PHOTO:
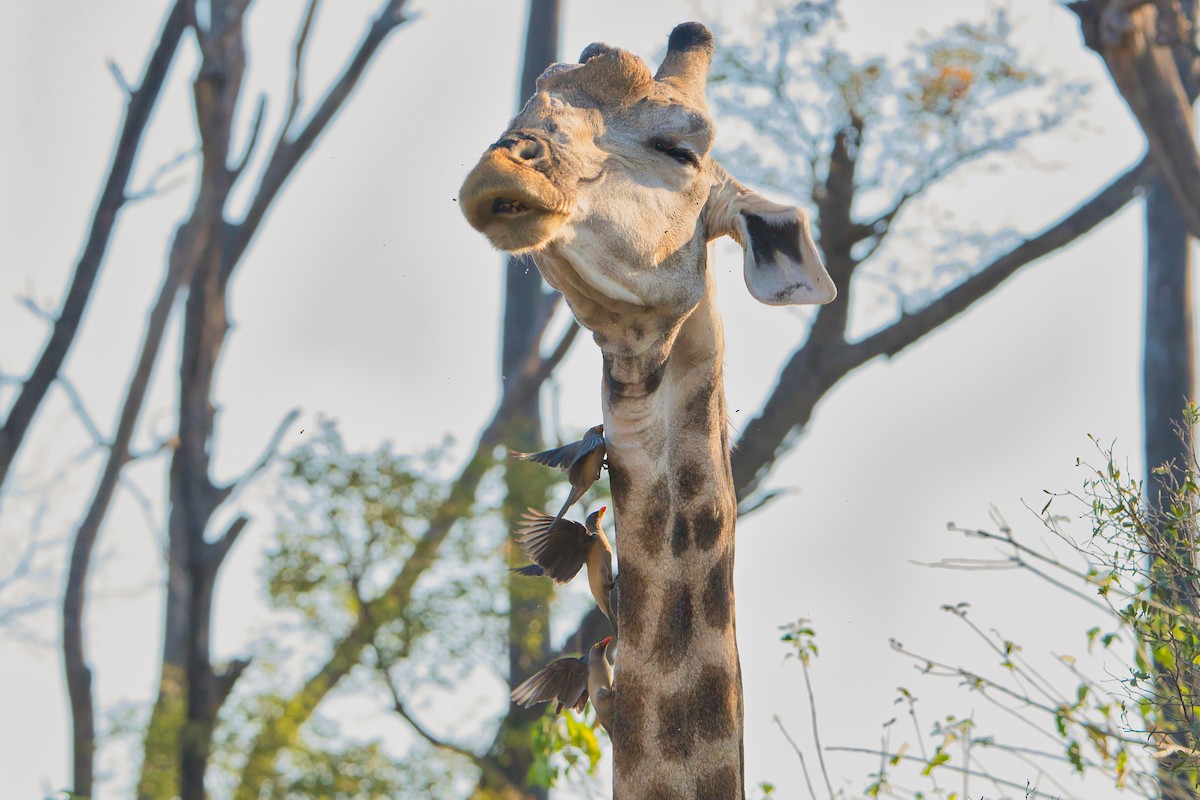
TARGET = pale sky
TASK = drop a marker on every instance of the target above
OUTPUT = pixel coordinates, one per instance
(368, 299)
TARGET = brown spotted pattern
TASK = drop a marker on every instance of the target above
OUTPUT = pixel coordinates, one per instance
(680, 536)
(677, 708)
(633, 601)
(718, 784)
(707, 527)
(718, 589)
(676, 626)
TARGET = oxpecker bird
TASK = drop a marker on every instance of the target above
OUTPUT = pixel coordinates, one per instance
(581, 461)
(558, 548)
(570, 681)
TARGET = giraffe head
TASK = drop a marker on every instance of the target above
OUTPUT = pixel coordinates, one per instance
(605, 176)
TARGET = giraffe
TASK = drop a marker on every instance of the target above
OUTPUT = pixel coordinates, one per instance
(605, 178)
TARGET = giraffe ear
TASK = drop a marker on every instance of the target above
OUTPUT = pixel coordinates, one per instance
(782, 266)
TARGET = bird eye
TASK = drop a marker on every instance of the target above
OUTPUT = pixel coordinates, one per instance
(679, 153)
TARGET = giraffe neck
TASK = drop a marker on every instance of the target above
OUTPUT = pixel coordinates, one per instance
(677, 718)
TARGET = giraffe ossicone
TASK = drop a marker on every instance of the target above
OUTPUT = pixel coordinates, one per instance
(606, 178)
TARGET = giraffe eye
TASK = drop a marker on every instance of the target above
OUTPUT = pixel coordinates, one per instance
(678, 152)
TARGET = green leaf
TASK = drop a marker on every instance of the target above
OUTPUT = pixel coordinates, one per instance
(938, 759)
(1075, 755)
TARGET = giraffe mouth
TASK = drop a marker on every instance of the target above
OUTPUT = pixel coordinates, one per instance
(517, 208)
(506, 205)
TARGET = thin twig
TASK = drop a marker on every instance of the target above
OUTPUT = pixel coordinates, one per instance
(812, 705)
(138, 111)
(236, 486)
(799, 754)
(298, 50)
(1034, 793)
(484, 763)
(81, 411)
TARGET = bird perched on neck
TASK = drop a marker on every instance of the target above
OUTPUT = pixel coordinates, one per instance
(570, 682)
(581, 461)
(559, 548)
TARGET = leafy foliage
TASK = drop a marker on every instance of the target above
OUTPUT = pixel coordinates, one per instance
(350, 527)
(865, 138)
(563, 744)
(1121, 722)
(351, 524)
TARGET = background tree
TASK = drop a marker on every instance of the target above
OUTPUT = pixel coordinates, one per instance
(205, 252)
(281, 733)
(1114, 704)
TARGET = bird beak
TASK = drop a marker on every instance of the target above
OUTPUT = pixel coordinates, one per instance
(605, 642)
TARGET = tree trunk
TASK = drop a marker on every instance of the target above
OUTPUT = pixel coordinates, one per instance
(178, 739)
(1168, 383)
(1169, 358)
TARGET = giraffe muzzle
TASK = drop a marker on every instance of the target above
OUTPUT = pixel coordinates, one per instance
(510, 202)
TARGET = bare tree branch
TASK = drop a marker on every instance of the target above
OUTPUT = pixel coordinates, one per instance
(140, 106)
(1134, 41)
(288, 151)
(229, 492)
(190, 239)
(799, 754)
(310, 12)
(1030, 792)
(485, 764)
(80, 408)
(220, 548)
(260, 111)
(820, 363)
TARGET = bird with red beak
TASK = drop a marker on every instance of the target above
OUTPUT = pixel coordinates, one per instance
(570, 682)
(559, 548)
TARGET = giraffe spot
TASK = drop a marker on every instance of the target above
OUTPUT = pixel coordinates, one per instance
(616, 388)
(654, 379)
(696, 411)
(676, 625)
(707, 527)
(718, 592)
(679, 536)
(629, 715)
(632, 602)
(711, 703)
(721, 784)
(676, 733)
(600, 338)
(689, 481)
(618, 481)
(655, 510)
(653, 517)
(638, 330)
(663, 791)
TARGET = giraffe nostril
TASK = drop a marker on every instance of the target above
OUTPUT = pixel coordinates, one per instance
(530, 150)
(524, 146)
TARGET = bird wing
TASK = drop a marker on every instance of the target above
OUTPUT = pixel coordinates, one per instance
(529, 571)
(557, 458)
(564, 680)
(558, 548)
(564, 457)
